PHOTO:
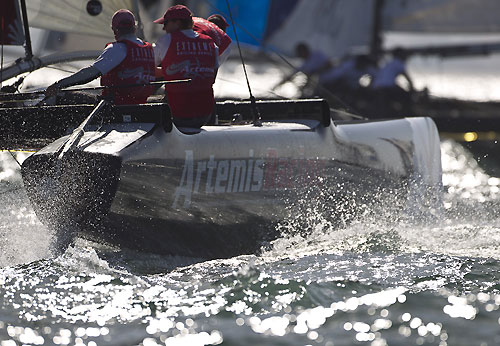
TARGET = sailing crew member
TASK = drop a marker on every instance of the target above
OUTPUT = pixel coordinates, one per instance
(387, 75)
(182, 54)
(350, 80)
(314, 62)
(391, 98)
(215, 27)
(128, 60)
(348, 73)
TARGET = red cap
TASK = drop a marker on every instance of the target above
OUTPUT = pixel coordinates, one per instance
(175, 12)
(123, 19)
(219, 18)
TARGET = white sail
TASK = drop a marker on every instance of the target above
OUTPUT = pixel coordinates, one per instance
(77, 16)
(333, 26)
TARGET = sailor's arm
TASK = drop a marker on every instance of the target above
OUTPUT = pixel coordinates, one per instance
(285, 79)
(217, 61)
(309, 67)
(111, 57)
(410, 82)
(83, 76)
(160, 49)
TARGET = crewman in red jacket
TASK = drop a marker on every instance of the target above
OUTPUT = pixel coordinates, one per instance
(186, 54)
(126, 61)
(215, 27)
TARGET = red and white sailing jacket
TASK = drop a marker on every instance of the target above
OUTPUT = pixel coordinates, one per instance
(138, 67)
(194, 58)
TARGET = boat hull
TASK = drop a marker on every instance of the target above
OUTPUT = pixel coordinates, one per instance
(224, 191)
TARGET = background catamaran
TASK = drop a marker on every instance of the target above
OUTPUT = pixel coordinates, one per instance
(427, 30)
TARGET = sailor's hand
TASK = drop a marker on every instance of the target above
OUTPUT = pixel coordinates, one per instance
(52, 90)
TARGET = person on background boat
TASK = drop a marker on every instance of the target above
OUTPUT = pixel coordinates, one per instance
(315, 62)
(186, 54)
(346, 77)
(128, 60)
(348, 81)
(215, 27)
(391, 98)
(387, 76)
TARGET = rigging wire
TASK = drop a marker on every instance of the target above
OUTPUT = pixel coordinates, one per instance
(1, 63)
(262, 90)
(59, 69)
(256, 115)
(256, 39)
(328, 94)
(15, 158)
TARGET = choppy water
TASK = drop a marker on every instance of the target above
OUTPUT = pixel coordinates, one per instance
(378, 281)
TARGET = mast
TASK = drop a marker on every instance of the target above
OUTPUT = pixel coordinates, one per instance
(376, 42)
(29, 50)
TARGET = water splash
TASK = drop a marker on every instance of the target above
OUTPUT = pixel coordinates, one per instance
(23, 237)
(466, 182)
(466, 224)
(9, 166)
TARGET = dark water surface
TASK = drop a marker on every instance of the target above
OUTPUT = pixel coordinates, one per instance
(382, 280)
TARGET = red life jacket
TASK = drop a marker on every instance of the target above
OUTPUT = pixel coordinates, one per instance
(205, 27)
(137, 67)
(193, 58)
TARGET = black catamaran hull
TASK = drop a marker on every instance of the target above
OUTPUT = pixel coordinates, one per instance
(222, 191)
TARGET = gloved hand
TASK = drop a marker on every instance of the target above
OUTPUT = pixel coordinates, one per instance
(52, 90)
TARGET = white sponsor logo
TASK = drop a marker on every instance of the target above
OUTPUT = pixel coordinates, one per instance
(138, 73)
(246, 175)
(218, 176)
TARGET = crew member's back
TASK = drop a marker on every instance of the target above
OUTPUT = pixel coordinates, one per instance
(127, 61)
(184, 54)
